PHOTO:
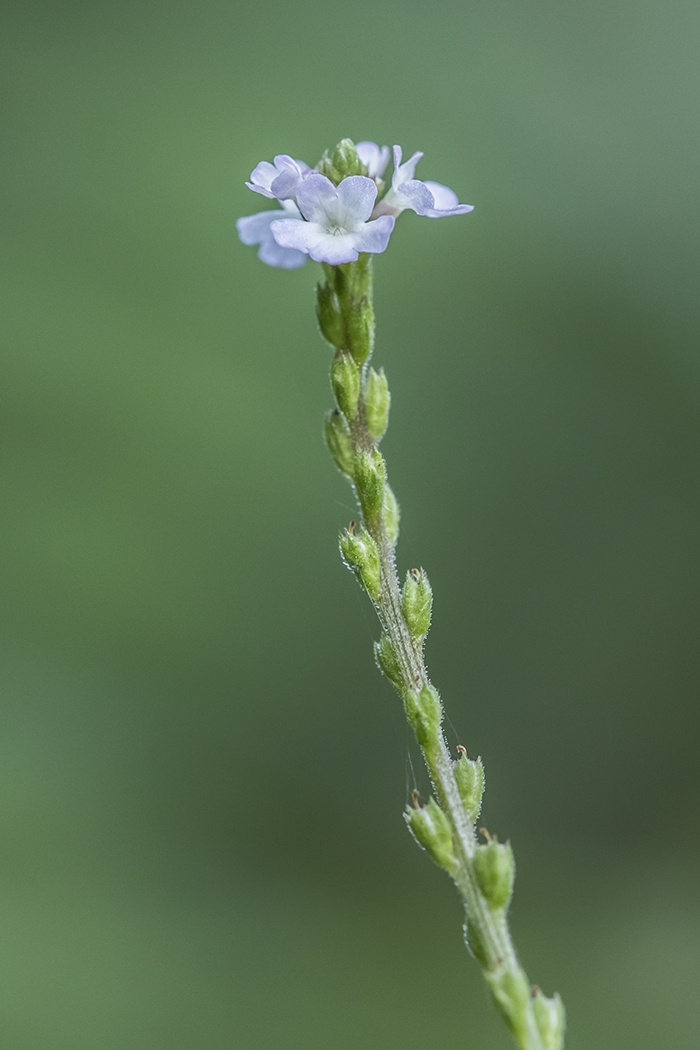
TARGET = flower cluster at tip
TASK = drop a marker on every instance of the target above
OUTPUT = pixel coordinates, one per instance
(330, 213)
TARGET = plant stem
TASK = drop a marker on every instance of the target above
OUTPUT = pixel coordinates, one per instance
(344, 301)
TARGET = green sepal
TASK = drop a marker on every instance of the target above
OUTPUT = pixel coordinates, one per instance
(387, 661)
(343, 161)
(339, 442)
(550, 1019)
(431, 830)
(417, 603)
(328, 314)
(470, 779)
(370, 480)
(360, 554)
(511, 994)
(475, 943)
(495, 872)
(345, 378)
(377, 401)
(360, 322)
(391, 515)
(424, 713)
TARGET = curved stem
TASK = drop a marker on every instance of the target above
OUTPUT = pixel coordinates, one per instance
(348, 293)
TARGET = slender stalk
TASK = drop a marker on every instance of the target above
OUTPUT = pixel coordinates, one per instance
(483, 873)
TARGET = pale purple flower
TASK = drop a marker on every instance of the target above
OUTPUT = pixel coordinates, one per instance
(279, 180)
(374, 157)
(255, 229)
(424, 198)
(337, 227)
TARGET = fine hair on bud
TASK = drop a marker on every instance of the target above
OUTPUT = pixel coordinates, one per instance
(470, 779)
(387, 661)
(391, 514)
(511, 994)
(495, 872)
(424, 713)
(377, 402)
(345, 378)
(417, 603)
(550, 1019)
(339, 441)
(431, 830)
(370, 479)
(360, 554)
(330, 320)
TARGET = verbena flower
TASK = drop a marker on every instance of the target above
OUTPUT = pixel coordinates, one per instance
(255, 229)
(332, 220)
(425, 198)
(374, 157)
(279, 180)
(336, 229)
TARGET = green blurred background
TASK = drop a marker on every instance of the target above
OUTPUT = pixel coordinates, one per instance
(202, 774)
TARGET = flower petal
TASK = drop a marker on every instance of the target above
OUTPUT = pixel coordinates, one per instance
(374, 236)
(261, 178)
(356, 197)
(256, 229)
(312, 237)
(315, 196)
(403, 172)
(373, 157)
(446, 201)
(252, 228)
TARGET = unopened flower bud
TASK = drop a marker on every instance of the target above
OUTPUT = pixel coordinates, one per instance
(417, 602)
(345, 377)
(343, 161)
(377, 400)
(470, 781)
(387, 660)
(475, 943)
(495, 872)
(391, 515)
(511, 994)
(370, 479)
(360, 322)
(431, 830)
(338, 441)
(424, 713)
(550, 1020)
(328, 313)
(360, 554)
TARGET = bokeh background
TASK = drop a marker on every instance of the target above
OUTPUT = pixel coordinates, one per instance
(202, 774)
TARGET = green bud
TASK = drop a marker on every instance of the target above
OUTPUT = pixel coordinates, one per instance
(417, 602)
(370, 481)
(431, 830)
(360, 554)
(345, 377)
(338, 441)
(387, 661)
(495, 871)
(475, 943)
(511, 995)
(470, 781)
(360, 322)
(391, 515)
(342, 162)
(328, 313)
(424, 713)
(377, 400)
(550, 1019)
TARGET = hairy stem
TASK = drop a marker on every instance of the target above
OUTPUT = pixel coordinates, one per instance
(446, 828)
